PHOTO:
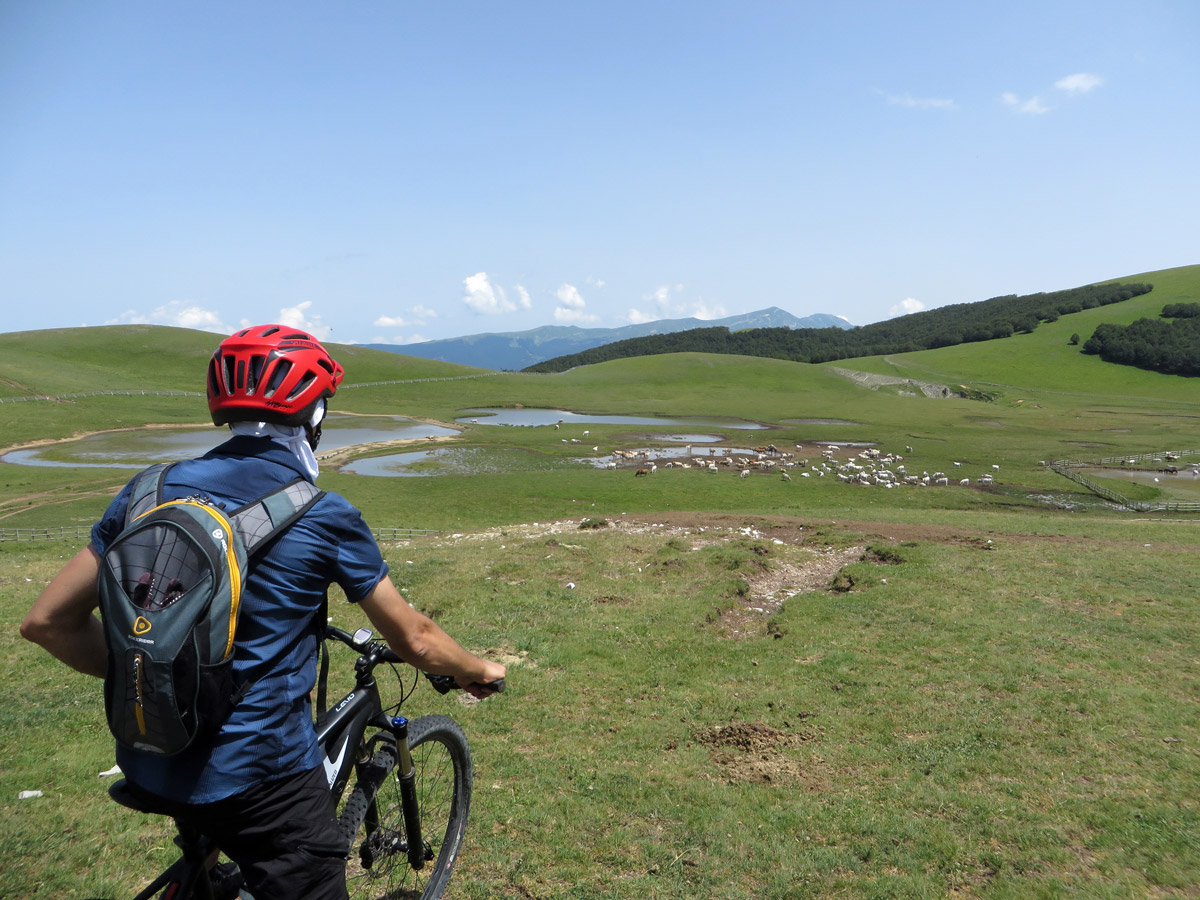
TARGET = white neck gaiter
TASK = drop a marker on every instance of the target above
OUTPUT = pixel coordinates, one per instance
(290, 436)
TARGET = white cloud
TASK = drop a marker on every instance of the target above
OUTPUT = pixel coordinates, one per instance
(1033, 106)
(296, 317)
(1079, 83)
(176, 313)
(129, 317)
(668, 304)
(1071, 85)
(905, 307)
(571, 306)
(565, 316)
(399, 339)
(568, 295)
(919, 102)
(484, 297)
(420, 315)
(704, 311)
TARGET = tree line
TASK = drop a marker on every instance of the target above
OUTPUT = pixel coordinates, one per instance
(946, 326)
(1170, 343)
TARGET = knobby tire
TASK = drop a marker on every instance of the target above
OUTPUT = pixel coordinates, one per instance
(372, 818)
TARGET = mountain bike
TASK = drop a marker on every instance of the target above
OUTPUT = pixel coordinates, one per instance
(403, 821)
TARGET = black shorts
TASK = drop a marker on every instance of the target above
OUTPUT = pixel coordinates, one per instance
(282, 834)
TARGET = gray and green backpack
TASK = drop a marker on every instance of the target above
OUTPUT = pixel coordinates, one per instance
(170, 591)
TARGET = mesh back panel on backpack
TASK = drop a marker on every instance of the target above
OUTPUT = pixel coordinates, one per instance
(170, 592)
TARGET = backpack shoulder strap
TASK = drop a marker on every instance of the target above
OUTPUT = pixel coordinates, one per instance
(147, 492)
(262, 519)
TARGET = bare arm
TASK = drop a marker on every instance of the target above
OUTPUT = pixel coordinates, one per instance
(62, 619)
(423, 643)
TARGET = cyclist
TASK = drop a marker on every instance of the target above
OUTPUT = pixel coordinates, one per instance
(258, 787)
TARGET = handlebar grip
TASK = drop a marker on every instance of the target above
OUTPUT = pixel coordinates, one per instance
(443, 684)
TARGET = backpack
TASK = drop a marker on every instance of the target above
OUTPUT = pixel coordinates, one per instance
(170, 589)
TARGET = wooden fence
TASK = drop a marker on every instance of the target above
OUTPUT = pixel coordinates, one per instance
(1068, 467)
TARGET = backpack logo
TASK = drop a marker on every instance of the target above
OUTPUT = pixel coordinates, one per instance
(141, 625)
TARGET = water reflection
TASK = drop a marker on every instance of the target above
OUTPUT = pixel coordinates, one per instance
(456, 461)
(136, 449)
(500, 461)
(535, 417)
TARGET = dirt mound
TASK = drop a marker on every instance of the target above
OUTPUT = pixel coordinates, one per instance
(755, 753)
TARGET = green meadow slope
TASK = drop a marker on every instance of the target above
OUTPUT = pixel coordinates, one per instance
(1048, 401)
(718, 687)
(1044, 362)
(154, 357)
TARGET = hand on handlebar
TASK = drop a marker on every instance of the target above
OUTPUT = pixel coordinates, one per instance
(491, 682)
(483, 691)
(444, 684)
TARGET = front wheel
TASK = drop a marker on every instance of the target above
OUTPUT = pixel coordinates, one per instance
(372, 819)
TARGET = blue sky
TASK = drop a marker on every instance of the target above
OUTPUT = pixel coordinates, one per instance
(404, 171)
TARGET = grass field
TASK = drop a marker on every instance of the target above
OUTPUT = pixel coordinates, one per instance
(730, 687)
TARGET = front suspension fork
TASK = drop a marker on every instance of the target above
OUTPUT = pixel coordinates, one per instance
(406, 775)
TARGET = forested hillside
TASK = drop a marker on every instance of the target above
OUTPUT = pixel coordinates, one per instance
(943, 327)
(1170, 346)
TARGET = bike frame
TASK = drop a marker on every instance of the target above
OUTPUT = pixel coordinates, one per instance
(340, 732)
(345, 726)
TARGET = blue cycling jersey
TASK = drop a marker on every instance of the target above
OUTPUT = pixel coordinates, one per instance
(270, 733)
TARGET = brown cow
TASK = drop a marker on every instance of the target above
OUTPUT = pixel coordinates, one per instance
(641, 472)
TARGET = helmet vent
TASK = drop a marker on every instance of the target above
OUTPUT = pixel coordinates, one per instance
(298, 336)
(270, 331)
(213, 388)
(255, 373)
(227, 363)
(278, 374)
(303, 386)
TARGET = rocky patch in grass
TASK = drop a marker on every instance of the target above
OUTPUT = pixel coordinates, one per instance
(770, 588)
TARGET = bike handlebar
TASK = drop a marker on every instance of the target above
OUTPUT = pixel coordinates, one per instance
(367, 647)
(443, 684)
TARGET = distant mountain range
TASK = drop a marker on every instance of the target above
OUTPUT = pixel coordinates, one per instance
(517, 349)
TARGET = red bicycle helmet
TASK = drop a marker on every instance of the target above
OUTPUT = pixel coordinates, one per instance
(270, 373)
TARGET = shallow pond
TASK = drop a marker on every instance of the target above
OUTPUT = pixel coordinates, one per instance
(1185, 485)
(526, 417)
(137, 448)
(499, 461)
(455, 461)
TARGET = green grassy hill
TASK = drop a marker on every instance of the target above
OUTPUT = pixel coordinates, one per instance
(1049, 402)
(154, 357)
(1046, 363)
(729, 687)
